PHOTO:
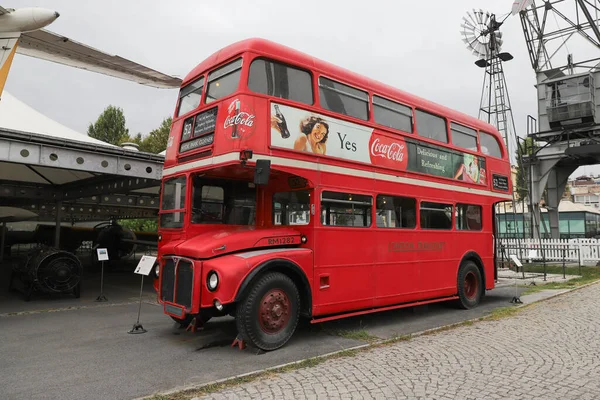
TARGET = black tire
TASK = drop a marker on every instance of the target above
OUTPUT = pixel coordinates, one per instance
(276, 295)
(470, 285)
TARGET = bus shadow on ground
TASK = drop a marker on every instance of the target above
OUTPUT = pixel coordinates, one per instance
(352, 331)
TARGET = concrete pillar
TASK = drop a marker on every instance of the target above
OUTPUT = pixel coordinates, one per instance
(57, 225)
(557, 181)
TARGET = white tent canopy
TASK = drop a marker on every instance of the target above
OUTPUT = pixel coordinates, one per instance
(18, 116)
(50, 169)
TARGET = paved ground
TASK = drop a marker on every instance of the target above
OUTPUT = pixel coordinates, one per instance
(83, 350)
(548, 351)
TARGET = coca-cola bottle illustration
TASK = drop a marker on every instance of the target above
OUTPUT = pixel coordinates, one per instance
(234, 128)
(285, 133)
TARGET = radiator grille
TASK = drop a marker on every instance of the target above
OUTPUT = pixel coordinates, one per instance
(185, 278)
(168, 280)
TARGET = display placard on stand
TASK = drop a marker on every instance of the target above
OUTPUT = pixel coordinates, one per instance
(102, 254)
(143, 268)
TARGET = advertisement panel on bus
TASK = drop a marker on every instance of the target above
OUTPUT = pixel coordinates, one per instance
(301, 130)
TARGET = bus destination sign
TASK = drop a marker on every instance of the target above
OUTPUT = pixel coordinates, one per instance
(197, 143)
(500, 182)
(205, 122)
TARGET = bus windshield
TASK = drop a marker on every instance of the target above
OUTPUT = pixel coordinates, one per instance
(223, 201)
(173, 198)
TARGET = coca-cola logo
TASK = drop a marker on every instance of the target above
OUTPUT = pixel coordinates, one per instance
(242, 118)
(239, 122)
(388, 152)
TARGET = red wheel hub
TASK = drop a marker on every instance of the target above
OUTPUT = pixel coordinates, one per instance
(471, 285)
(274, 311)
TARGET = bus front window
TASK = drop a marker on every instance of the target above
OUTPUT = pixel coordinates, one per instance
(173, 203)
(223, 201)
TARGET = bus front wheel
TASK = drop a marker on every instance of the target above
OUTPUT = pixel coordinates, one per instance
(470, 285)
(268, 316)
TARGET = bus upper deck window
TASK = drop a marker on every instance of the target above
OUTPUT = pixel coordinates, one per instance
(223, 81)
(489, 145)
(279, 80)
(190, 96)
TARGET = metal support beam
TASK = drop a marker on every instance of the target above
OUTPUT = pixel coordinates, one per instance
(57, 227)
(102, 185)
(94, 211)
(2, 240)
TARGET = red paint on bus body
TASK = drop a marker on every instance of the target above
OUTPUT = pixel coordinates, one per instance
(343, 270)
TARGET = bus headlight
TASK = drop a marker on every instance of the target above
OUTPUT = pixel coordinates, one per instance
(212, 281)
(156, 270)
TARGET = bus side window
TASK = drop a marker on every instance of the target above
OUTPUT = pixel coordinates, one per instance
(396, 212)
(468, 217)
(436, 216)
(463, 137)
(346, 209)
(343, 99)
(489, 145)
(431, 126)
(279, 80)
(391, 114)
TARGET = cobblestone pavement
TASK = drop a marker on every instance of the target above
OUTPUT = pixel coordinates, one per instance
(550, 350)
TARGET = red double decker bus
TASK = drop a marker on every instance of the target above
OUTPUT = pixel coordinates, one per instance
(294, 188)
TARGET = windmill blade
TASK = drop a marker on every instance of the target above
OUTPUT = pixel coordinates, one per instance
(520, 5)
(487, 18)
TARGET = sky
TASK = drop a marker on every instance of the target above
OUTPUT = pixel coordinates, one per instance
(414, 46)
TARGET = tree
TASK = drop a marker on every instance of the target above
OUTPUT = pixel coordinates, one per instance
(156, 140)
(525, 148)
(110, 126)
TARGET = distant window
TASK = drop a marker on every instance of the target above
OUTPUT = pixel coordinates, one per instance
(343, 99)
(291, 208)
(468, 217)
(396, 212)
(279, 80)
(489, 145)
(392, 114)
(346, 209)
(464, 137)
(431, 126)
(190, 96)
(436, 216)
(223, 81)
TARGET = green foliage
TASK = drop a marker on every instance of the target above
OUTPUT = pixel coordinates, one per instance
(140, 225)
(110, 126)
(156, 141)
(526, 147)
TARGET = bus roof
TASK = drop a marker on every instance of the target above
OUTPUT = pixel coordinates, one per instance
(284, 53)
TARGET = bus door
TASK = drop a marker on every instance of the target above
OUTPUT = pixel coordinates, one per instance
(437, 248)
(397, 278)
(344, 252)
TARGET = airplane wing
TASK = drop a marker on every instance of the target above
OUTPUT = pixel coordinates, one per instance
(3, 10)
(50, 46)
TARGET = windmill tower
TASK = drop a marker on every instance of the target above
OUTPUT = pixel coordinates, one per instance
(481, 33)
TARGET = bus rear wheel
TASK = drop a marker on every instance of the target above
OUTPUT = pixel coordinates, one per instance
(470, 285)
(268, 316)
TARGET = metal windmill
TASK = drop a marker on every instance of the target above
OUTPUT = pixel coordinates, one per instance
(481, 33)
(482, 36)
